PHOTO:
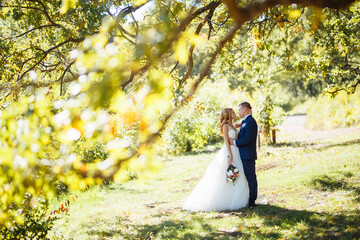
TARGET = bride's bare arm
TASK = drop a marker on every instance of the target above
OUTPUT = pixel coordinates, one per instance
(225, 129)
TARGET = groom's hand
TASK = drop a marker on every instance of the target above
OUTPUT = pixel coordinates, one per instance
(231, 141)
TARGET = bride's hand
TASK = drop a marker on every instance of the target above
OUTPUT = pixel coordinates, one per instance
(237, 125)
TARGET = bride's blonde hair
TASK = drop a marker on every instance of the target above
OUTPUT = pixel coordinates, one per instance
(225, 118)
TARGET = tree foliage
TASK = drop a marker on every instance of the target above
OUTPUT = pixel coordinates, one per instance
(96, 70)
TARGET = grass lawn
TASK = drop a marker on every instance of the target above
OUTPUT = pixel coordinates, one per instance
(310, 178)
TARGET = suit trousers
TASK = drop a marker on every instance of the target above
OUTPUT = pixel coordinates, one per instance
(249, 169)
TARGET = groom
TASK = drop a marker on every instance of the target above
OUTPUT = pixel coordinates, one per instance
(246, 143)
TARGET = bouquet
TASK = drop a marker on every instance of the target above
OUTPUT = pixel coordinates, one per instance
(232, 173)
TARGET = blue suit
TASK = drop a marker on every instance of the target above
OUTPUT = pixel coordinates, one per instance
(246, 143)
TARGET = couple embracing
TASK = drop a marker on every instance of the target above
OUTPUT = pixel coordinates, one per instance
(213, 192)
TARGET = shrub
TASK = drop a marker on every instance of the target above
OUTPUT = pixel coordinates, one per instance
(90, 151)
(29, 220)
(97, 151)
(267, 112)
(196, 125)
(341, 111)
(189, 131)
(61, 188)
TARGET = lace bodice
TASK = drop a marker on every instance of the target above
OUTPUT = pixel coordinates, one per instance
(232, 133)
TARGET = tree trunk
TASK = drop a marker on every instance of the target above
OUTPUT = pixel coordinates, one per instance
(266, 137)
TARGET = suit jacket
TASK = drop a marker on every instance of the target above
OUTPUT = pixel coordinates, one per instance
(246, 141)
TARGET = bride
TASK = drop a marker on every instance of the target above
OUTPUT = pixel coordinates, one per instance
(213, 193)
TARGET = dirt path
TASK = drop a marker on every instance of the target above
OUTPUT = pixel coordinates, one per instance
(294, 129)
(295, 122)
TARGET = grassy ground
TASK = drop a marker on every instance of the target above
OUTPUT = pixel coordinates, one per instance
(310, 178)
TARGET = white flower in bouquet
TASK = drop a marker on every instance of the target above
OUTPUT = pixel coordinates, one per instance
(232, 173)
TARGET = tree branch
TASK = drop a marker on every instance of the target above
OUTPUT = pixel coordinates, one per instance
(241, 15)
(133, 73)
(45, 11)
(47, 52)
(61, 79)
(12, 87)
(173, 69)
(190, 60)
(130, 9)
(194, 14)
(25, 7)
(206, 69)
(182, 27)
(221, 24)
(353, 86)
(124, 31)
(31, 30)
(192, 47)
(208, 19)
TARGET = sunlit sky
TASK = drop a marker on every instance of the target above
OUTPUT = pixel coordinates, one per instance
(138, 14)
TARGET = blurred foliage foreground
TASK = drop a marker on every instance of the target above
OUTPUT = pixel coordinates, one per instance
(86, 89)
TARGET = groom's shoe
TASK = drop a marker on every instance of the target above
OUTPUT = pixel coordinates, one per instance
(252, 205)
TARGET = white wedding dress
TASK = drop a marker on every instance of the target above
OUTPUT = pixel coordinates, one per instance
(213, 193)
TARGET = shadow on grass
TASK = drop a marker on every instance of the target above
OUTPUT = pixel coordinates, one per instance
(340, 181)
(311, 225)
(102, 234)
(276, 222)
(295, 144)
(357, 195)
(314, 146)
(124, 189)
(329, 183)
(342, 144)
(196, 228)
